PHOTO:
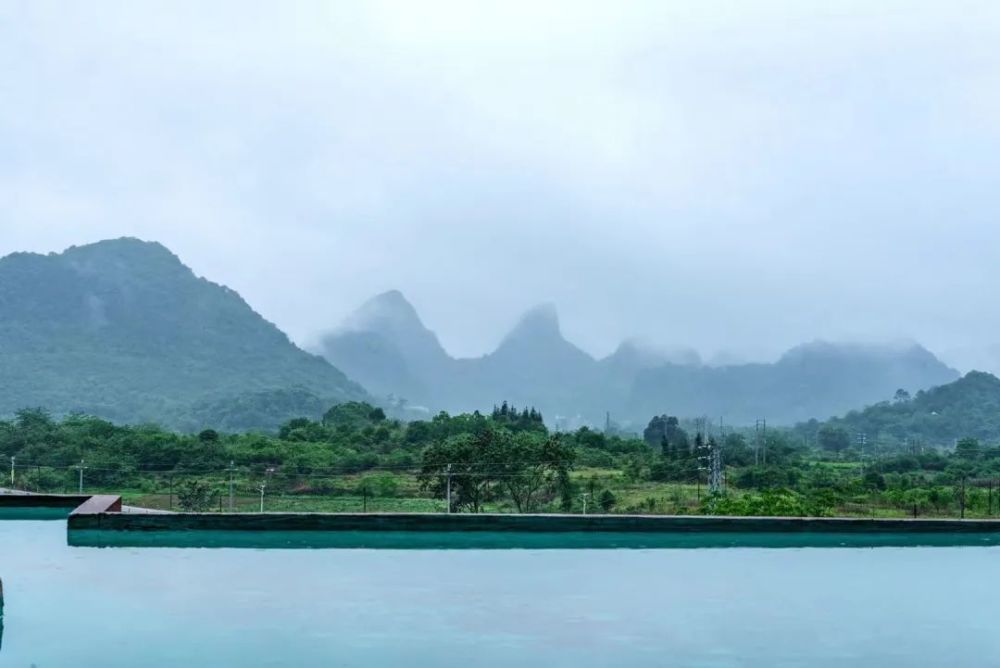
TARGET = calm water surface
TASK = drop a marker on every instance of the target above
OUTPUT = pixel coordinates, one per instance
(169, 607)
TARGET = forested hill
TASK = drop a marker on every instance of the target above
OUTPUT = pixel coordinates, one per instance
(386, 347)
(123, 330)
(968, 407)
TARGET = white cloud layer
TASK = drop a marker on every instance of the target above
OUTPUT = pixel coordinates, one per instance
(730, 175)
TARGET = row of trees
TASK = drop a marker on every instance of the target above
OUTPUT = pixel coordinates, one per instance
(505, 458)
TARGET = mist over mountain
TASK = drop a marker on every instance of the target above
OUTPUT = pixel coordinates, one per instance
(386, 346)
(814, 380)
(123, 330)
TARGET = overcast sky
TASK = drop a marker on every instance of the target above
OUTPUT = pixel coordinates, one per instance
(737, 176)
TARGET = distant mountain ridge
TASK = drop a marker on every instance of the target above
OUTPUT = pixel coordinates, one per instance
(814, 380)
(387, 347)
(124, 330)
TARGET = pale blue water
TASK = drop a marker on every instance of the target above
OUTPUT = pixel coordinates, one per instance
(168, 607)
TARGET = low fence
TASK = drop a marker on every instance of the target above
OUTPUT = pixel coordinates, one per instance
(402, 489)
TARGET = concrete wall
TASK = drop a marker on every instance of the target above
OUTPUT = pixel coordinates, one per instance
(103, 512)
(42, 500)
(513, 523)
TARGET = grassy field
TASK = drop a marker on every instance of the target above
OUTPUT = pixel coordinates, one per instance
(402, 492)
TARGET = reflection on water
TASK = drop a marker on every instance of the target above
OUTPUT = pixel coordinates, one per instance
(34, 513)
(483, 540)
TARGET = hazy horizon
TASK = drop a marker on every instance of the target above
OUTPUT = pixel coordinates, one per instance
(714, 176)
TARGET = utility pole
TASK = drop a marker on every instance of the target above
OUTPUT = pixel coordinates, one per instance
(763, 441)
(963, 497)
(263, 486)
(862, 442)
(81, 467)
(448, 493)
(584, 497)
(756, 443)
(232, 471)
(12, 458)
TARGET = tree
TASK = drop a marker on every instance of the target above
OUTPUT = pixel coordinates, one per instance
(874, 480)
(529, 464)
(461, 461)
(528, 419)
(208, 436)
(37, 419)
(607, 500)
(525, 465)
(566, 491)
(196, 495)
(967, 448)
(901, 396)
(833, 439)
(664, 431)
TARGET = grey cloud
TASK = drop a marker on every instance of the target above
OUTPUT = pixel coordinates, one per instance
(736, 177)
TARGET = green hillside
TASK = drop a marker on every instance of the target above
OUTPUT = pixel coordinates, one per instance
(123, 330)
(966, 408)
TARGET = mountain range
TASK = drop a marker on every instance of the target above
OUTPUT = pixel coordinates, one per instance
(388, 349)
(122, 329)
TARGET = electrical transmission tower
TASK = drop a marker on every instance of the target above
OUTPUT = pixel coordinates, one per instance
(714, 467)
(760, 442)
(710, 460)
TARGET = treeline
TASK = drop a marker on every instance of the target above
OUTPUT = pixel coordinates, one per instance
(507, 454)
(509, 459)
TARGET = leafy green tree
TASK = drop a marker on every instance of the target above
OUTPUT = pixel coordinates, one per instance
(462, 461)
(967, 448)
(383, 484)
(196, 495)
(208, 436)
(607, 500)
(524, 465)
(566, 491)
(833, 439)
(664, 432)
(527, 419)
(530, 465)
(874, 480)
